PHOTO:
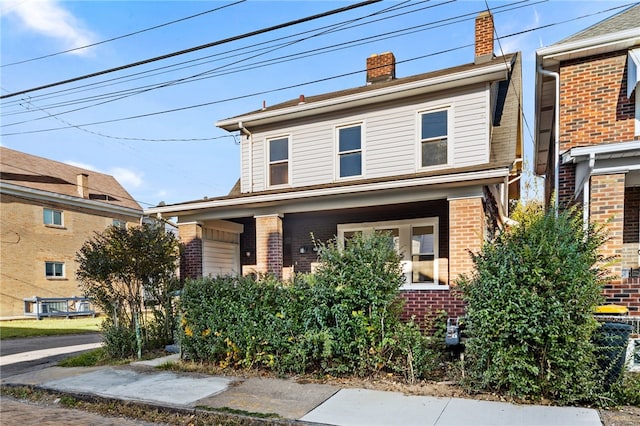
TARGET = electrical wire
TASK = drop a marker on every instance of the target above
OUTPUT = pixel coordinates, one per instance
(155, 27)
(196, 48)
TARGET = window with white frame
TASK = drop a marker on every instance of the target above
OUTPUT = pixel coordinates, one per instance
(633, 82)
(349, 151)
(278, 161)
(54, 269)
(434, 138)
(416, 240)
(52, 217)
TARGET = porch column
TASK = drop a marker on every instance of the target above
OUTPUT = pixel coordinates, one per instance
(191, 237)
(466, 233)
(607, 207)
(269, 244)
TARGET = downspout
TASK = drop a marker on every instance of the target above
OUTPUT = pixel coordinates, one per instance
(250, 136)
(586, 189)
(556, 134)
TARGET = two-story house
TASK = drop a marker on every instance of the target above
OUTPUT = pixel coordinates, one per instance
(47, 211)
(587, 137)
(433, 159)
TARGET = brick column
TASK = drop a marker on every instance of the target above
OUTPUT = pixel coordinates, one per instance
(191, 238)
(466, 233)
(607, 207)
(269, 244)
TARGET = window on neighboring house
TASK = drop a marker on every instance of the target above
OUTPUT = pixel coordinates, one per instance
(350, 151)
(52, 217)
(416, 240)
(119, 223)
(433, 138)
(54, 269)
(279, 161)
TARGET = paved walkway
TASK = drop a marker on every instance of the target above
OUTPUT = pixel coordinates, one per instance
(13, 412)
(309, 403)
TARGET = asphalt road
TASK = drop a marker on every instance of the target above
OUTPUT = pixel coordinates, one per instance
(41, 352)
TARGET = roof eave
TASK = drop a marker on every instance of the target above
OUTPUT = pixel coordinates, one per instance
(37, 194)
(499, 173)
(494, 72)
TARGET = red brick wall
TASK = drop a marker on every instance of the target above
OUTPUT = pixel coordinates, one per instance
(426, 303)
(466, 233)
(607, 207)
(594, 104)
(269, 244)
(191, 238)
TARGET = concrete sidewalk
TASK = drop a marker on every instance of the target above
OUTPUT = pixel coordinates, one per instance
(308, 403)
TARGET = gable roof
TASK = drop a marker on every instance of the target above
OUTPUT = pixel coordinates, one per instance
(36, 173)
(625, 20)
(495, 69)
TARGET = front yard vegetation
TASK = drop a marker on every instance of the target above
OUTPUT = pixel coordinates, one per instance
(342, 320)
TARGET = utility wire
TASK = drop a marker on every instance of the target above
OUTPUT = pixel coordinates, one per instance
(300, 55)
(234, 52)
(155, 27)
(199, 76)
(193, 49)
(301, 84)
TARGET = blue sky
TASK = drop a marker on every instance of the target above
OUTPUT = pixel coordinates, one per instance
(232, 78)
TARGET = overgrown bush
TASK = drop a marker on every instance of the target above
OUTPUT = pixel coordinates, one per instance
(344, 319)
(530, 308)
(129, 272)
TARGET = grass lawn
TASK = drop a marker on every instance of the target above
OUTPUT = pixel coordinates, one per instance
(48, 327)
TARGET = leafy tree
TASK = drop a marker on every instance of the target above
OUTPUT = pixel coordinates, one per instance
(530, 307)
(126, 272)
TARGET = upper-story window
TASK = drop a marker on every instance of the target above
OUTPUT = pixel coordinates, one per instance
(54, 269)
(278, 161)
(52, 217)
(433, 138)
(350, 151)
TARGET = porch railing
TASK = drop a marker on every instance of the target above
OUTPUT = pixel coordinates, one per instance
(41, 307)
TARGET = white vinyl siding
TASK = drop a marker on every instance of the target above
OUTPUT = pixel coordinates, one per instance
(390, 139)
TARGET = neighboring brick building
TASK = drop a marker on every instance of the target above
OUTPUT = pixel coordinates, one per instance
(47, 211)
(596, 137)
(432, 158)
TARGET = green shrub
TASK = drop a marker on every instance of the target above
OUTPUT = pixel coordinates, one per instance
(344, 319)
(530, 308)
(119, 342)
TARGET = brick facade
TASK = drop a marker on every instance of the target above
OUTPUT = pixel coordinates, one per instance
(191, 238)
(466, 233)
(27, 243)
(269, 244)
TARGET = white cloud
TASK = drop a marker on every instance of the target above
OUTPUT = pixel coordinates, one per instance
(51, 19)
(127, 178)
(83, 165)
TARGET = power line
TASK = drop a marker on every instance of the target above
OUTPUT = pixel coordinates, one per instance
(193, 49)
(329, 29)
(300, 55)
(155, 27)
(192, 78)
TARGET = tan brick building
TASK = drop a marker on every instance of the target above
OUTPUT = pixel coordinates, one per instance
(47, 211)
(588, 137)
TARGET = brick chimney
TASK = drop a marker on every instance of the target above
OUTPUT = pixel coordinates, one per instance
(484, 37)
(381, 67)
(82, 181)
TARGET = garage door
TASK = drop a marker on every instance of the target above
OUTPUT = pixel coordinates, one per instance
(220, 258)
